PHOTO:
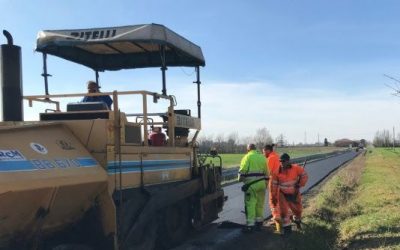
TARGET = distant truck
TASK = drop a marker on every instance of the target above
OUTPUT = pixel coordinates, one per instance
(87, 177)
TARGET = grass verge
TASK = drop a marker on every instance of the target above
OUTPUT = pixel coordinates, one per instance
(378, 196)
(358, 208)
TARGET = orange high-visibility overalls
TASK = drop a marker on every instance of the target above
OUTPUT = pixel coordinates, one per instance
(273, 167)
(285, 190)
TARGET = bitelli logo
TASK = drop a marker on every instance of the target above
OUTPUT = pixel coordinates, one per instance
(94, 34)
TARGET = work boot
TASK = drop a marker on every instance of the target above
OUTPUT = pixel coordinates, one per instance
(278, 227)
(298, 223)
(247, 229)
(258, 226)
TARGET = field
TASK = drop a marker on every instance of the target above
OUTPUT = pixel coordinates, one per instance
(231, 160)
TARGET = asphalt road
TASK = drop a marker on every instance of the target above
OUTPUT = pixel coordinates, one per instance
(215, 238)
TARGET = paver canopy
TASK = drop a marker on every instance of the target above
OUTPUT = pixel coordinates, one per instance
(127, 47)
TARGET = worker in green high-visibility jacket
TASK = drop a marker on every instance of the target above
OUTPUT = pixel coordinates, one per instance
(253, 173)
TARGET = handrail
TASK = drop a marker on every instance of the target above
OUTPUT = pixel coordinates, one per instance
(46, 101)
(140, 92)
(114, 94)
(148, 114)
(170, 113)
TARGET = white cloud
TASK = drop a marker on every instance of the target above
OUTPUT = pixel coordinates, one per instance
(245, 107)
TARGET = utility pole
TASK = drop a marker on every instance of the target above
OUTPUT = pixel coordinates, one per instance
(318, 139)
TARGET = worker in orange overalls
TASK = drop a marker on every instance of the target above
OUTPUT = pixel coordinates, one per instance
(286, 194)
(273, 165)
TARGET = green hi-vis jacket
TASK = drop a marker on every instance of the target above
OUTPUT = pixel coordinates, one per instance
(252, 167)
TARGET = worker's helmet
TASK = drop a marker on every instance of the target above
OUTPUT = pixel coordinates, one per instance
(285, 157)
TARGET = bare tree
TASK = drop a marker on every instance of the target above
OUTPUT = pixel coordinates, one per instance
(246, 140)
(233, 139)
(394, 86)
(281, 140)
(262, 137)
(219, 143)
(382, 138)
(205, 143)
(398, 139)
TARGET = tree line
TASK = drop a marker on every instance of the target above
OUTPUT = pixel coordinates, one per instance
(233, 143)
(385, 138)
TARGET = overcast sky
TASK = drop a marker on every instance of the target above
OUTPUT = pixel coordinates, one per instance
(294, 67)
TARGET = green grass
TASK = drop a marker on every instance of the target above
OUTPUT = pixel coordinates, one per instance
(378, 224)
(231, 160)
(359, 208)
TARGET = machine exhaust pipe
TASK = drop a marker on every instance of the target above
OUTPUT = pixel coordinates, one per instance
(9, 38)
(10, 81)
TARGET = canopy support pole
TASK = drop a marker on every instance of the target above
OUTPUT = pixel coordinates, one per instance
(45, 74)
(198, 82)
(163, 69)
(97, 77)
